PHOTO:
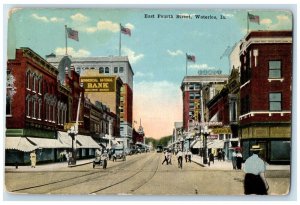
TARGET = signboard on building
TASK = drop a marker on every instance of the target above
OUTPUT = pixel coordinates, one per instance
(221, 130)
(211, 124)
(99, 84)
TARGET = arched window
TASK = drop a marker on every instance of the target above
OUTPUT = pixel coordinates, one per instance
(28, 79)
(28, 104)
(106, 69)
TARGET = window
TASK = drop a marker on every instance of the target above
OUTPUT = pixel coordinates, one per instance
(28, 80)
(8, 105)
(40, 85)
(106, 69)
(115, 69)
(101, 70)
(121, 69)
(274, 69)
(275, 101)
(34, 83)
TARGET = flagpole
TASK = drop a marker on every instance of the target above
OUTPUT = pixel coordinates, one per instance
(120, 42)
(247, 22)
(66, 39)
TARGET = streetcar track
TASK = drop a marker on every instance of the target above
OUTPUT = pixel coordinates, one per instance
(128, 178)
(120, 167)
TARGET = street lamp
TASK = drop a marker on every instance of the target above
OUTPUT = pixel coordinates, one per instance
(205, 133)
(72, 133)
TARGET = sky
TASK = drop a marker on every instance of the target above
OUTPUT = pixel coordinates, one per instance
(156, 48)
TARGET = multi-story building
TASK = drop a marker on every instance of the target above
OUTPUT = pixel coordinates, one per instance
(192, 88)
(38, 108)
(265, 93)
(112, 65)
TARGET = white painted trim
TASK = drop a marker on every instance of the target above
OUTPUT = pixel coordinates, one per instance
(245, 84)
(264, 113)
(275, 79)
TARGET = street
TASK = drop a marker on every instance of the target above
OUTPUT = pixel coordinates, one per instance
(141, 174)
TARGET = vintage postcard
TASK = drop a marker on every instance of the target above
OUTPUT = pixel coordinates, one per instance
(148, 102)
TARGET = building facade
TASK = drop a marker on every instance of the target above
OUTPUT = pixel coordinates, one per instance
(40, 109)
(112, 65)
(192, 88)
(265, 94)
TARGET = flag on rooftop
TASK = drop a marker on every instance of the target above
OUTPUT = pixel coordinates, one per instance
(191, 58)
(72, 34)
(125, 30)
(253, 18)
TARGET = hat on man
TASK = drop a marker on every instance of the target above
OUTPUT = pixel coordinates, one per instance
(255, 148)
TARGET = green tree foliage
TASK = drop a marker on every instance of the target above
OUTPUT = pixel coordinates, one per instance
(162, 141)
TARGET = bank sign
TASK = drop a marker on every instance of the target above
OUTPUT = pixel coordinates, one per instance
(99, 84)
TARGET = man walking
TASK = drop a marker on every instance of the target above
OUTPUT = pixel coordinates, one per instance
(179, 158)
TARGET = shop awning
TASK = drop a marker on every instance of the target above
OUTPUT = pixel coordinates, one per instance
(46, 142)
(19, 143)
(216, 144)
(64, 139)
(83, 141)
(86, 142)
(197, 144)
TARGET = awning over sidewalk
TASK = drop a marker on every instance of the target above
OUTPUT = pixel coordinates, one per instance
(86, 142)
(216, 144)
(83, 141)
(197, 144)
(19, 143)
(47, 143)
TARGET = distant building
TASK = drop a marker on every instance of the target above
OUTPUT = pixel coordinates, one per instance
(191, 87)
(265, 93)
(112, 65)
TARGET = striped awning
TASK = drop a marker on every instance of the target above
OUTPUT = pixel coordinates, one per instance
(47, 143)
(19, 143)
(85, 141)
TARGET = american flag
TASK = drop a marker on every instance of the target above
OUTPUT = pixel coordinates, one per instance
(191, 58)
(253, 18)
(126, 31)
(72, 34)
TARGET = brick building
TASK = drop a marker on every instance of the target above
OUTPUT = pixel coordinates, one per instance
(265, 93)
(38, 107)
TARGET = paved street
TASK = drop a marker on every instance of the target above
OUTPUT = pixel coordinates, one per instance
(141, 174)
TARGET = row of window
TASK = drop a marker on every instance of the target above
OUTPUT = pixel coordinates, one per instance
(275, 103)
(34, 82)
(52, 112)
(107, 70)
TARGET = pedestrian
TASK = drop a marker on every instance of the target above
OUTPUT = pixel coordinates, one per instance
(211, 158)
(239, 160)
(33, 159)
(69, 157)
(234, 159)
(219, 155)
(186, 155)
(254, 168)
(104, 158)
(169, 156)
(165, 157)
(189, 156)
(179, 156)
(223, 155)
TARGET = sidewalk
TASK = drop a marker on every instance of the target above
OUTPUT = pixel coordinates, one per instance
(49, 166)
(227, 164)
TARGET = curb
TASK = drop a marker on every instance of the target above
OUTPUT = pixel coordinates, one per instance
(77, 165)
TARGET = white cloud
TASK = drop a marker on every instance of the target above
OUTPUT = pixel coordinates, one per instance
(91, 29)
(228, 15)
(133, 57)
(175, 53)
(158, 105)
(139, 74)
(73, 52)
(283, 22)
(266, 21)
(79, 17)
(108, 26)
(46, 19)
